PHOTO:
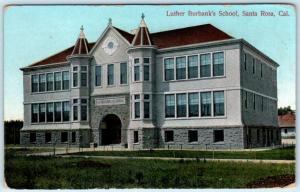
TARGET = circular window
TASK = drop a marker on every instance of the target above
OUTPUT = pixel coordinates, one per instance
(110, 45)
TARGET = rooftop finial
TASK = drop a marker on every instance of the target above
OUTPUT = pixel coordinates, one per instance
(81, 35)
(143, 15)
(109, 21)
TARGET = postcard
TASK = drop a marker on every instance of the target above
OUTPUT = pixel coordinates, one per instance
(149, 96)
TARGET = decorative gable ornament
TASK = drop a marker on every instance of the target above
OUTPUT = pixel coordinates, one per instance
(110, 45)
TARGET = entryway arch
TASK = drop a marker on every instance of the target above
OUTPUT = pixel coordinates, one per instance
(110, 129)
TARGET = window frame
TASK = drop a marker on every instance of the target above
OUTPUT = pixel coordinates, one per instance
(122, 63)
(135, 136)
(190, 136)
(200, 115)
(143, 69)
(95, 76)
(113, 75)
(219, 140)
(199, 66)
(165, 136)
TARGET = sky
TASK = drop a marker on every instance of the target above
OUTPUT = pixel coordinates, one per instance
(32, 33)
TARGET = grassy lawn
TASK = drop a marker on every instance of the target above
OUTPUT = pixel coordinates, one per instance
(25, 151)
(279, 154)
(81, 173)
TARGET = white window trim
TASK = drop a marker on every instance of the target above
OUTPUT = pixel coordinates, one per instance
(198, 117)
(53, 91)
(199, 66)
(87, 76)
(127, 75)
(140, 70)
(114, 75)
(101, 76)
(46, 120)
(150, 69)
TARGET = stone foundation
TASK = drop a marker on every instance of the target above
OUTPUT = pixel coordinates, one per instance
(82, 138)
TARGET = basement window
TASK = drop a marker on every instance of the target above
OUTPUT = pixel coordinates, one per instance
(218, 135)
(32, 137)
(47, 137)
(64, 137)
(169, 136)
(193, 135)
(135, 137)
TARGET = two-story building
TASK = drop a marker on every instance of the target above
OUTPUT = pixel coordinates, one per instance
(192, 87)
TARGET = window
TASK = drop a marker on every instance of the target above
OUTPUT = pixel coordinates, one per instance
(110, 75)
(32, 137)
(245, 61)
(75, 113)
(136, 60)
(246, 99)
(42, 112)
(66, 111)
(218, 103)
(48, 137)
(123, 74)
(66, 80)
(253, 66)
(205, 65)
(146, 69)
(218, 135)
(64, 137)
(42, 82)
(254, 103)
(83, 111)
(258, 135)
(193, 104)
(193, 135)
(50, 110)
(57, 112)
(136, 73)
(218, 64)
(75, 76)
(98, 75)
(180, 67)
(169, 136)
(146, 72)
(83, 76)
(261, 69)
(285, 131)
(169, 69)
(50, 81)
(57, 79)
(262, 103)
(205, 104)
(170, 106)
(135, 137)
(34, 113)
(181, 105)
(193, 66)
(73, 137)
(147, 106)
(34, 83)
(136, 106)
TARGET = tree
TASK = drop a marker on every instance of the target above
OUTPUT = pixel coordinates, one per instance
(12, 131)
(284, 110)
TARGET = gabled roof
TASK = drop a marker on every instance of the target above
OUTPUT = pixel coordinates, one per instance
(287, 120)
(188, 35)
(58, 57)
(163, 39)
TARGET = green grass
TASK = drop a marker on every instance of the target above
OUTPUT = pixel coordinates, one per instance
(278, 154)
(77, 173)
(25, 151)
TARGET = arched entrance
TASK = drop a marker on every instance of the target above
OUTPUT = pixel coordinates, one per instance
(110, 130)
